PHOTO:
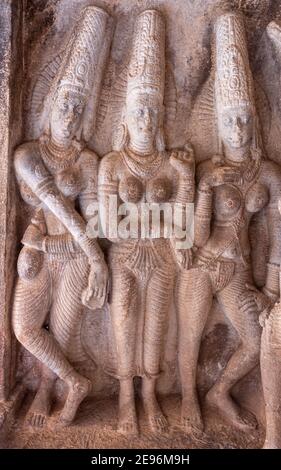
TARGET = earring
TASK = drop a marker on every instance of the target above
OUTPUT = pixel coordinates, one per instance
(121, 137)
(160, 141)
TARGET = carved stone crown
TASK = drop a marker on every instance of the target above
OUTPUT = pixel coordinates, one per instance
(80, 66)
(233, 78)
(147, 63)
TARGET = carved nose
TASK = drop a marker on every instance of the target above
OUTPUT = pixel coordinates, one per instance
(237, 124)
(147, 118)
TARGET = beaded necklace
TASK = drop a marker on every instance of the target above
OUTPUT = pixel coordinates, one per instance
(57, 158)
(144, 166)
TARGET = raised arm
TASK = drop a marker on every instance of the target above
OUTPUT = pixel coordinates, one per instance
(203, 206)
(272, 176)
(88, 197)
(108, 195)
(183, 162)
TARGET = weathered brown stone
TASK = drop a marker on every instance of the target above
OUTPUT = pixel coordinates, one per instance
(73, 108)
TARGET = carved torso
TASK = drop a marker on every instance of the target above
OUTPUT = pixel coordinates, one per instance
(141, 180)
(71, 177)
(233, 207)
(147, 181)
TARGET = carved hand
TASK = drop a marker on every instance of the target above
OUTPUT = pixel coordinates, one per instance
(270, 300)
(219, 176)
(183, 161)
(34, 238)
(184, 258)
(94, 295)
(263, 302)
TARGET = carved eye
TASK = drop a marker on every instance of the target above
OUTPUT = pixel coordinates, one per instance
(79, 109)
(245, 119)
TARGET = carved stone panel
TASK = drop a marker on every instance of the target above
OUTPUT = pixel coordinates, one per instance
(111, 324)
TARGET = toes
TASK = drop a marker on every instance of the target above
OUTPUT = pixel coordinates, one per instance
(36, 420)
(30, 420)
(42, 421)
(248, 420)
(159, 424)
(128, 429)
(192, 427)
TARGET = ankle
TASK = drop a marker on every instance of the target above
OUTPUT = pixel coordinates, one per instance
(189, 395)
(148, 388)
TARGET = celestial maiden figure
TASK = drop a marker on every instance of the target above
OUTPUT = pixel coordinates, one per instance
(59, 263)
(143, 269)
(232, 187)
(271, 340)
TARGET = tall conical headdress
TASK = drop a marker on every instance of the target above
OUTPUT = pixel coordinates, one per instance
(80, 66)
(147, 62)
(233, 77)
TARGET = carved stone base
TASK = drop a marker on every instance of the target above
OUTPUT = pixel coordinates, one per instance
(8, 411)
(96, 428)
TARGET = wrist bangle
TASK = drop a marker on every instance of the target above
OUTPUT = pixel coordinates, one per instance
(204, 191)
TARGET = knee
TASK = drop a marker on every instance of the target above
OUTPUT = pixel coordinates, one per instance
(24, 332)
(252, 348)
(20, 331)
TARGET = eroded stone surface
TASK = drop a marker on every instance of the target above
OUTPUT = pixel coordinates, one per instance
(210, 76)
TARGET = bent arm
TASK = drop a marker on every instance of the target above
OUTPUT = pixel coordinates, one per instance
(88, 197)
(33, 172)
(273, 220)
(108, 197)
(203, 209)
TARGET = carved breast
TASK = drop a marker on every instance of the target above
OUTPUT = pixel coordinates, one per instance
(257, 198)
(227, 201)
(69, 182)
(131, 189)
(159, 190)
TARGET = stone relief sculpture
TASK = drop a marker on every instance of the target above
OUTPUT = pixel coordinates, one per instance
(138, 322)
(271, 340)
(60, 268)
(238, 182)
(143, 270)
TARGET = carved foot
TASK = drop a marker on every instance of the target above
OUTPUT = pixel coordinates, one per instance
(157, 421)
(191, 418)
(271, 445)
(40, 409)
(227, 408)
(77, 392)
(128, 423)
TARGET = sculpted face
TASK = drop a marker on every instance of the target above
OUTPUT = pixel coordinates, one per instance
(143, 116)
(66, 116)
(236, 127)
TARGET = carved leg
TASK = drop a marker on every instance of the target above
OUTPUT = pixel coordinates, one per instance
(31, 305)
(41, 405)
(239, 306)
(271, 380)
(194, 301)
(158, 300)
(124, 311)
(67, 310)
(65, 324)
